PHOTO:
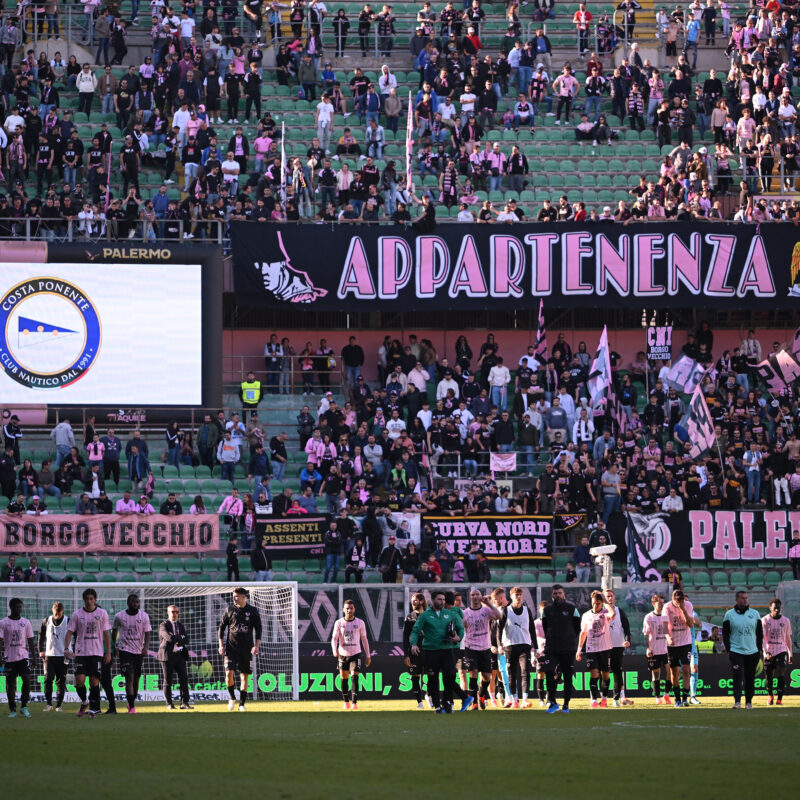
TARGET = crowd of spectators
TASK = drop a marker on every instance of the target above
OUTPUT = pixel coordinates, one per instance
(186, 107)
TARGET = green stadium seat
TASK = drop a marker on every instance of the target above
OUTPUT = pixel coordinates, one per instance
(202, 471)
(107, 564)
(373, 577)
(755, 578)
(55, 564)
(88, 577)
(295, 565)
(772, 579)
(191, 486)
(512, 576)
(175, 564)
(91, 564)
(167, 579)
(738, 578)
(125, 565)
(193, 565)
(546, 577)
(700, 579)
(72, 564)
(170, 471)
(107, 577)
(158, 564)
(788, 575)
(142, 566)
(720, 579)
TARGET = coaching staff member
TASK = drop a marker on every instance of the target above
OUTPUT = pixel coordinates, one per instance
(562, 623)
(173, 655)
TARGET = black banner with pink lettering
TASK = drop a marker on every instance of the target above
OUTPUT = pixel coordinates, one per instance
(734, 536)
(344, 267)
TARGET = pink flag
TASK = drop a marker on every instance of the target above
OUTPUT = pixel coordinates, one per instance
(503, 462)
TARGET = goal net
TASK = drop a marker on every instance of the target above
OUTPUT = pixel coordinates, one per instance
(201, 605)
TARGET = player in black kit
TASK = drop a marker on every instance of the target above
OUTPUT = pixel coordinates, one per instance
(415, 664)
(561, 622)
(239, 641)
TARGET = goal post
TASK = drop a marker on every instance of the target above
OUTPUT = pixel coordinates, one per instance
(275, 669)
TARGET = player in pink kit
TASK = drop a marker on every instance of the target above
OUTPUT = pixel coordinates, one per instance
(596, 635)
(654, 629)
(16, 648)
(777, 649)
(349, 644)
(478, 644)
(680, 620)
(91, 630)
(132, 626)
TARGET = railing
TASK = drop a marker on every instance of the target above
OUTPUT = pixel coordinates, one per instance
(73, 230)
(289, 376)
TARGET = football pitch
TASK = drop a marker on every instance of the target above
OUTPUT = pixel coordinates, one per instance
(316, 750)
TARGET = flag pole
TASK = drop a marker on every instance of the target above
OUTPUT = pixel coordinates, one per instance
(409, 145)
(283, 165)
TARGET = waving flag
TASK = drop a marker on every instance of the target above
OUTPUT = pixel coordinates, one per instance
(541, 336)
(409, 142)
(640, 565)
(699, 425)
(684, 375)
(600, 372)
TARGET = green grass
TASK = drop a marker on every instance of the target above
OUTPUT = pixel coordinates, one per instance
(314, 750)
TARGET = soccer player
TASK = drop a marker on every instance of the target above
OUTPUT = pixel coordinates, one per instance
(518, 637)
(743, 635)
(679, 615)
(415, 664)
(499, 682)
(478, 644)
(620, 630)
(777, 649)
(51, 651)
(16, 645)
(538, 656)
(596, 635)
(239, 640)
(442, 630)
(133, 628)
(349, 643)
(91, 629)
(454, 603)
(561, 623)
(654, 629)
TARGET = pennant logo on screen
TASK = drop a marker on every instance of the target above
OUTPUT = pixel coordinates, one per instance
(285, 282)
(51, 333)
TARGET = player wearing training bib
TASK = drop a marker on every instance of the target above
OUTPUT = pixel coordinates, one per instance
(349, 643)
(132, 626)
(51, 650)
(596, 635)
(478, 644)
(16, 647)
(777, 649)
(679, 615)
(518, 637)
(743, 635)
(91, 629)
(620, 631)
(239, 640)
(415, 664)
(498, 686)
(654, 629)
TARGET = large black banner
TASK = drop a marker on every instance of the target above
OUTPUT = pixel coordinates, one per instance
(355, 268)
(710, 535)
(298, 537)
(500, 538)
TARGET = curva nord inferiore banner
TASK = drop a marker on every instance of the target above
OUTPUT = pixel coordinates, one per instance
(343, 267)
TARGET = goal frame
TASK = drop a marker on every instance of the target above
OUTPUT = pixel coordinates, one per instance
(73, 590)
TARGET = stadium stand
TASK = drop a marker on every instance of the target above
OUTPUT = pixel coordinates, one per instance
(182, 188)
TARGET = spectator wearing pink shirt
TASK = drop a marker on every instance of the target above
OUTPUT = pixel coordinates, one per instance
(95, 450)
(232, 507)
(261, 147)
(144, 506)
(126, 505)
(566, 86)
